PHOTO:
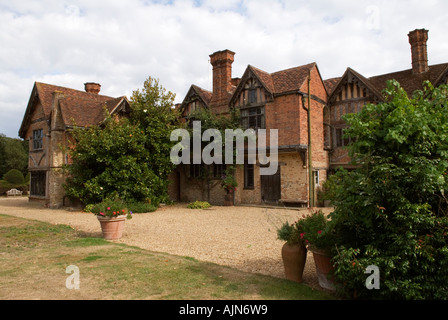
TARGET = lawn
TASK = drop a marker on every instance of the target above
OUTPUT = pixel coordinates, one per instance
(34, 257)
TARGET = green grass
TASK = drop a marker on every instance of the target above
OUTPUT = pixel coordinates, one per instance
(34, 256)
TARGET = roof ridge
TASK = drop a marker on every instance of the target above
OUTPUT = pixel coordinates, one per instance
(200, 88)
(71, 89)
(310, 65)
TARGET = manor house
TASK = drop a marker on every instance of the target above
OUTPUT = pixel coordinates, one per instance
(307, 111)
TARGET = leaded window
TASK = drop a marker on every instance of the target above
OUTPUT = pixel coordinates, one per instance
(253, 118)
(38, 136)
(38, 183)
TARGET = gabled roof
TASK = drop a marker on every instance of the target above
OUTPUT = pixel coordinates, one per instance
(94, 112)
(77, 106)
(409, 81)
(291, 79)
(330, 84)
(283, 81)
(204, 95)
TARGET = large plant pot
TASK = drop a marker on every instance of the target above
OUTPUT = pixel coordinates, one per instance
(324, 268)
(294, 258)
(228, 199)
(112, 227)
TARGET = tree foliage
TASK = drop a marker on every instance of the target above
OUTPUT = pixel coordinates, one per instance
(14, 177)
(126, 158)
(13, 155)
(392, 210)
(209, 120)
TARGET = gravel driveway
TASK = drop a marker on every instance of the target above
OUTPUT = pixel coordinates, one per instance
(241, 237)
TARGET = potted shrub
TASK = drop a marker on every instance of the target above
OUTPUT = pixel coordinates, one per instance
(111, 214)
(294, 251)
(319, 237)
(229, 184)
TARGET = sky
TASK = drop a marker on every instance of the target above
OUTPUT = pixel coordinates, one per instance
(120, 43)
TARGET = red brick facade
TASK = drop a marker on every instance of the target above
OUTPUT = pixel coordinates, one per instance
(280, 100)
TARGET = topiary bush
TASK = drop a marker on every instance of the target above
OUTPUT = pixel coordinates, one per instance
(14, 177)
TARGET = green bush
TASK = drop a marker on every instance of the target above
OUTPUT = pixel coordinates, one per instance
(291, 233)
(116, 204)
(392, 211)
(128, 157)
(141, 207)
(14, 177)
(199, 205)
(4, 186)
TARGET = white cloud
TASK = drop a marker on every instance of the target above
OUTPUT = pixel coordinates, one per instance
(120, 43)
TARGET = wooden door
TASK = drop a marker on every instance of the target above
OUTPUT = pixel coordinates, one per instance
(270, 187)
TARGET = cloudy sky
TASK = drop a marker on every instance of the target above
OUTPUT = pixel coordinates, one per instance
(119, 43)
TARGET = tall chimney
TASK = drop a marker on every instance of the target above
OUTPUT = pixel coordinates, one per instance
(92, 87)
(222, 79)
(418, 39)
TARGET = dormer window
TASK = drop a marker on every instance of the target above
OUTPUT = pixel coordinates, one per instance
(252, 95)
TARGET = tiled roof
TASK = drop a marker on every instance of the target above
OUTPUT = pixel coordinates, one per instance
(85, 112)
(409, 81)
(330, 84)
(205, 95)
(283, 81)
(85, 99)
(264, 77)
(291, 79)
(80, 107)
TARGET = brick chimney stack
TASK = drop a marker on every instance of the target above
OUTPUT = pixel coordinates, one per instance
(222, 79)
(418, 39)
(92, 87)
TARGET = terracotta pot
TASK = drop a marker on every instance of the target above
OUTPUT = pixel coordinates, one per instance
(294, 258)
(228, 199)
(112, 227)
(324, 267)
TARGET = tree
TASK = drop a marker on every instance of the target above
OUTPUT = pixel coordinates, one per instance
(392, 211)
(127, 158)
(13, 154)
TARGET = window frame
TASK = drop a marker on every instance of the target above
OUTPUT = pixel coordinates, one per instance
(38, 183)
(38, 139)
(248, 115)
(249, 180)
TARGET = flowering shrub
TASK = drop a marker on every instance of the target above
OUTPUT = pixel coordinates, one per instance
(228, 182)
(110, 208)
(316, 231)
(291, 233)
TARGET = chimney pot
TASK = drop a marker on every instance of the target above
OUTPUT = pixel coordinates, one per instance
(418, 39)
(92, 87)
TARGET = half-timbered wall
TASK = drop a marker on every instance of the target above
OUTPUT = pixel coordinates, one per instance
(350, 97)
(192, 106)
(252, 95)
